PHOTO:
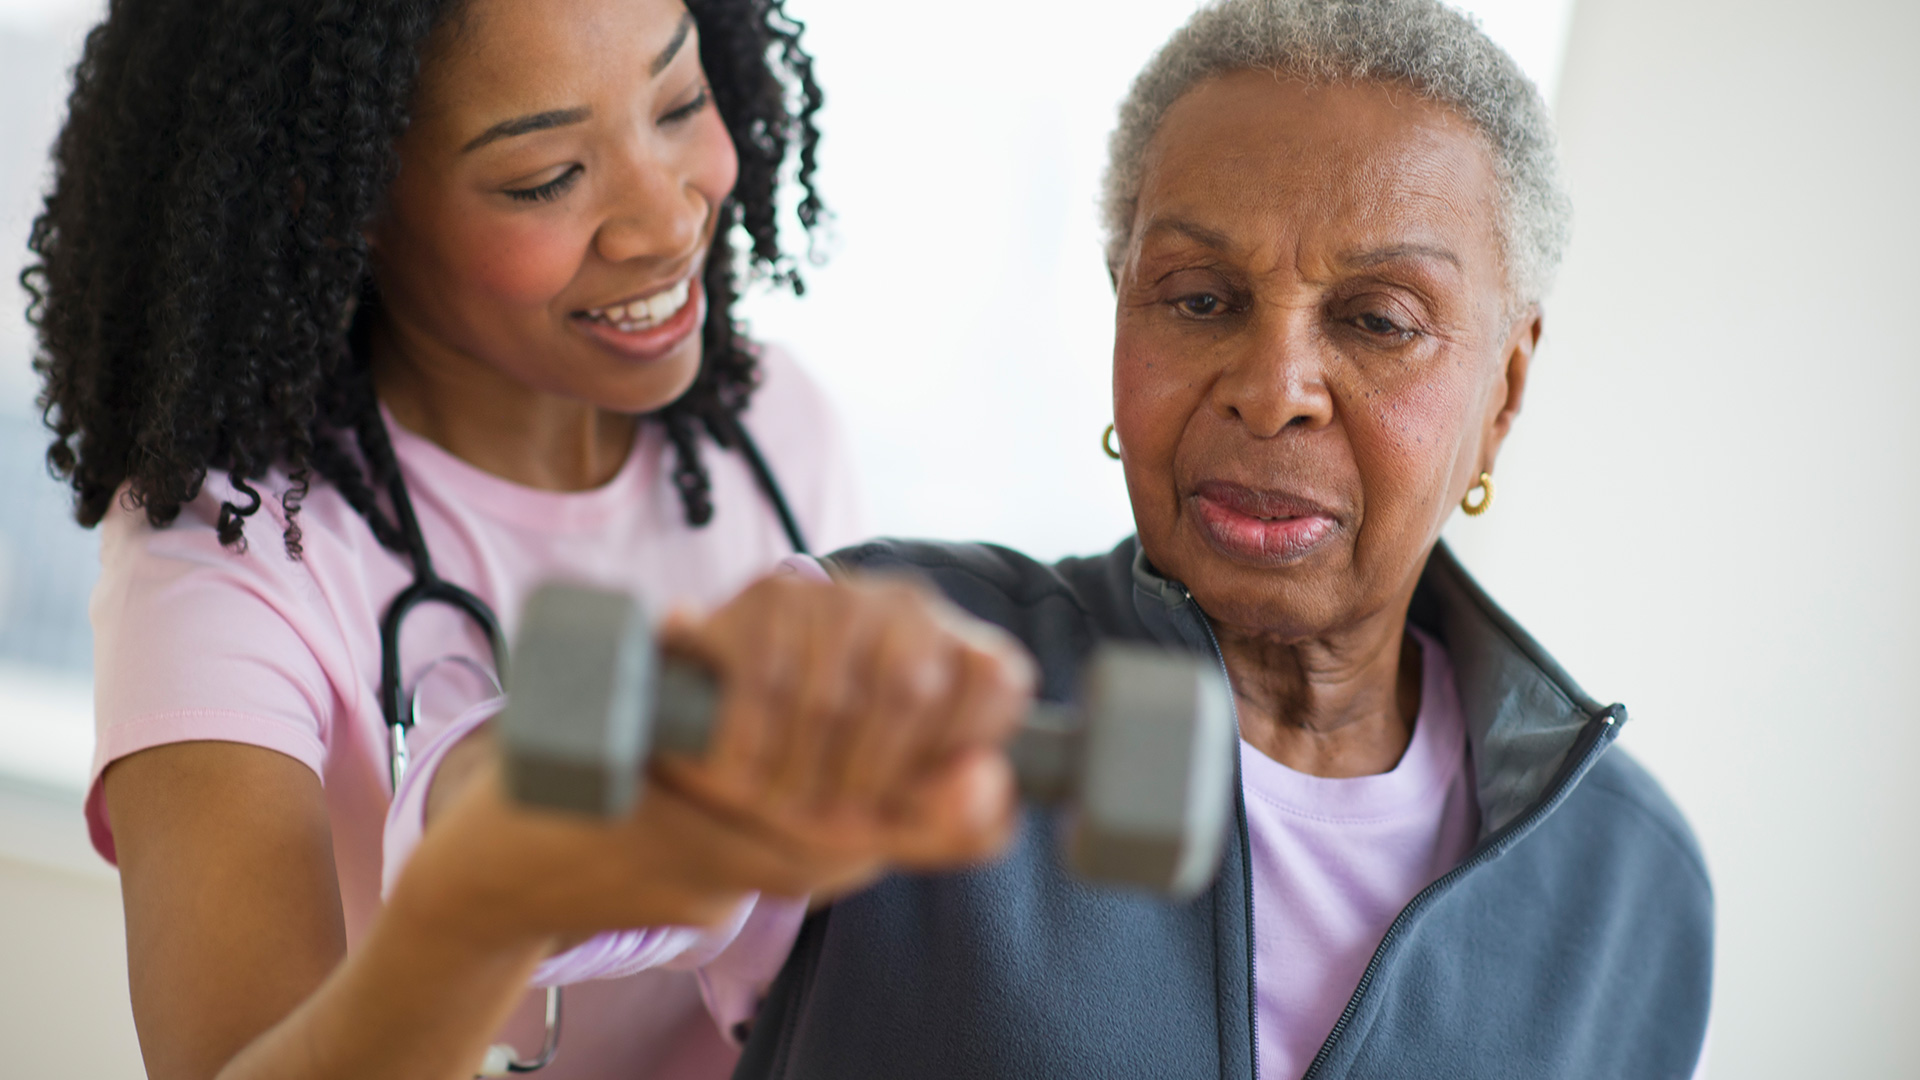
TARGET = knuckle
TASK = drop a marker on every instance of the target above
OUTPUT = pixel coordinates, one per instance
(898, 596)
(1004, 679)
(763, 593)
(750, 673)
(919, 684)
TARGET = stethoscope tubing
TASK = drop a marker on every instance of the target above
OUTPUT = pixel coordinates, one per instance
(429, 588)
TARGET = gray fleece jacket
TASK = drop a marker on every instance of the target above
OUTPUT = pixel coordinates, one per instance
(1575, 941)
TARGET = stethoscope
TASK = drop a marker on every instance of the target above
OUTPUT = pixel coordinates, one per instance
(402, 711)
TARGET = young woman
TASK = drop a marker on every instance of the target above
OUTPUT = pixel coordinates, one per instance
(358, 319)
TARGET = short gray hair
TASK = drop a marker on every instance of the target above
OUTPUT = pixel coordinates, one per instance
(1438, 52)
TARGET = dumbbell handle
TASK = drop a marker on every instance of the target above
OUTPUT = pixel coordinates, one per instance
(1145, 760)
(1044, 752)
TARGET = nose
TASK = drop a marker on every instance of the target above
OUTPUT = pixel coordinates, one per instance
(656, 212)
(1276, 377)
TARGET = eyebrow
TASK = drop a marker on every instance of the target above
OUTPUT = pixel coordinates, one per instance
(680, 35)
(1366, 259)
(526, 125)
(1199, 234)
(1362, 260)
(556, 118)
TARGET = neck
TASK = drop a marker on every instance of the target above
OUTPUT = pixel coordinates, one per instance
(493, 422)
(1340, 705)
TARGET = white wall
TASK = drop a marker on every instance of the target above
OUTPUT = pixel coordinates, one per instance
(1708, 509)
(64, 1013)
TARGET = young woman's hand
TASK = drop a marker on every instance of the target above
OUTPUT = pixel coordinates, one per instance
(860, 729)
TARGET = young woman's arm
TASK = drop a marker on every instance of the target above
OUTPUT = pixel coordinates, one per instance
(857, 732)
(234, 932)
(234, 920)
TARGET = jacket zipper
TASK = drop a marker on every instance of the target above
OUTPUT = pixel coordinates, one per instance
(1246, 842)
(1597, 737)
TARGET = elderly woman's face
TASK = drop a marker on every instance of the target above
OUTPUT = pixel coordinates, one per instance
(1315, 355)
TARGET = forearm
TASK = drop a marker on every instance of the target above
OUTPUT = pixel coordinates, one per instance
(236, 949)
(461, 936)
(408, 1003)
(449, 772)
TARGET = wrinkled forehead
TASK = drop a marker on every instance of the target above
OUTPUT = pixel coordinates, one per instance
(1273, 161)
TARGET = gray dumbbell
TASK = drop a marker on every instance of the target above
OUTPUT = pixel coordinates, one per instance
(1144, 765)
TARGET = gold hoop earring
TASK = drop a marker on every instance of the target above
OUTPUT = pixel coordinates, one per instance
(1485, 487)
(1106, 443)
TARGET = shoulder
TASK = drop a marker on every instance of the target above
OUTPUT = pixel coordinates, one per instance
(805, 444)
(1071, 599)
(1610, 895)
(130, 542)
(788, 396)
(1042, 605)
(997, 575)
(1622, 791)
(175, 610)
(195, 641)
(1603, 910)
(191, 543)
(1623, 863)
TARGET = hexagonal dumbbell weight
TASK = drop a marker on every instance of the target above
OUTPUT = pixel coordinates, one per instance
(1144, 764)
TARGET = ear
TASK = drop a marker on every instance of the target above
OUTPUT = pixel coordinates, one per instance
(1511, 386)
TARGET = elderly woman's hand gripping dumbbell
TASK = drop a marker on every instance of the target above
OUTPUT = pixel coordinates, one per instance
(1144, 763)
(861, 726)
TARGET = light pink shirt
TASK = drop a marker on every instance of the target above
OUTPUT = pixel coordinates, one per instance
(194, 642)
(1333, 862)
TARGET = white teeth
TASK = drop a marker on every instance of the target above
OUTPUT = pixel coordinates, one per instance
(640, 314)
(667, 303)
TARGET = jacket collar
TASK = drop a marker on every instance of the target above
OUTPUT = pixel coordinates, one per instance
(1524, 714)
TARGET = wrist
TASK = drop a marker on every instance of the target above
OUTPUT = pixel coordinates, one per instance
(447, 911)
(461, 886)
(416, 998)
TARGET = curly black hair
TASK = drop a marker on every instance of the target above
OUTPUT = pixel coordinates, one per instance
(201, 279)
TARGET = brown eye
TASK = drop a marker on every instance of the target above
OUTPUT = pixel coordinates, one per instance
(1202, 304)
(1378, 324)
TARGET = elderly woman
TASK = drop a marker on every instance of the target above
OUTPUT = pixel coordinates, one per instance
(1332, 222)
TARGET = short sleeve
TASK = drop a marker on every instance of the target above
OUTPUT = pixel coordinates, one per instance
(195, 641)
(808, 449)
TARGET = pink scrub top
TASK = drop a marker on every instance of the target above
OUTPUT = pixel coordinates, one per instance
(195, 642)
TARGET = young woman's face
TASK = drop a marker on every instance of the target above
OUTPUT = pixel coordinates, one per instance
(559, 185)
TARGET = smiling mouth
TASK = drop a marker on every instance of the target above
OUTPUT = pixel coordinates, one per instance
(634, 316)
